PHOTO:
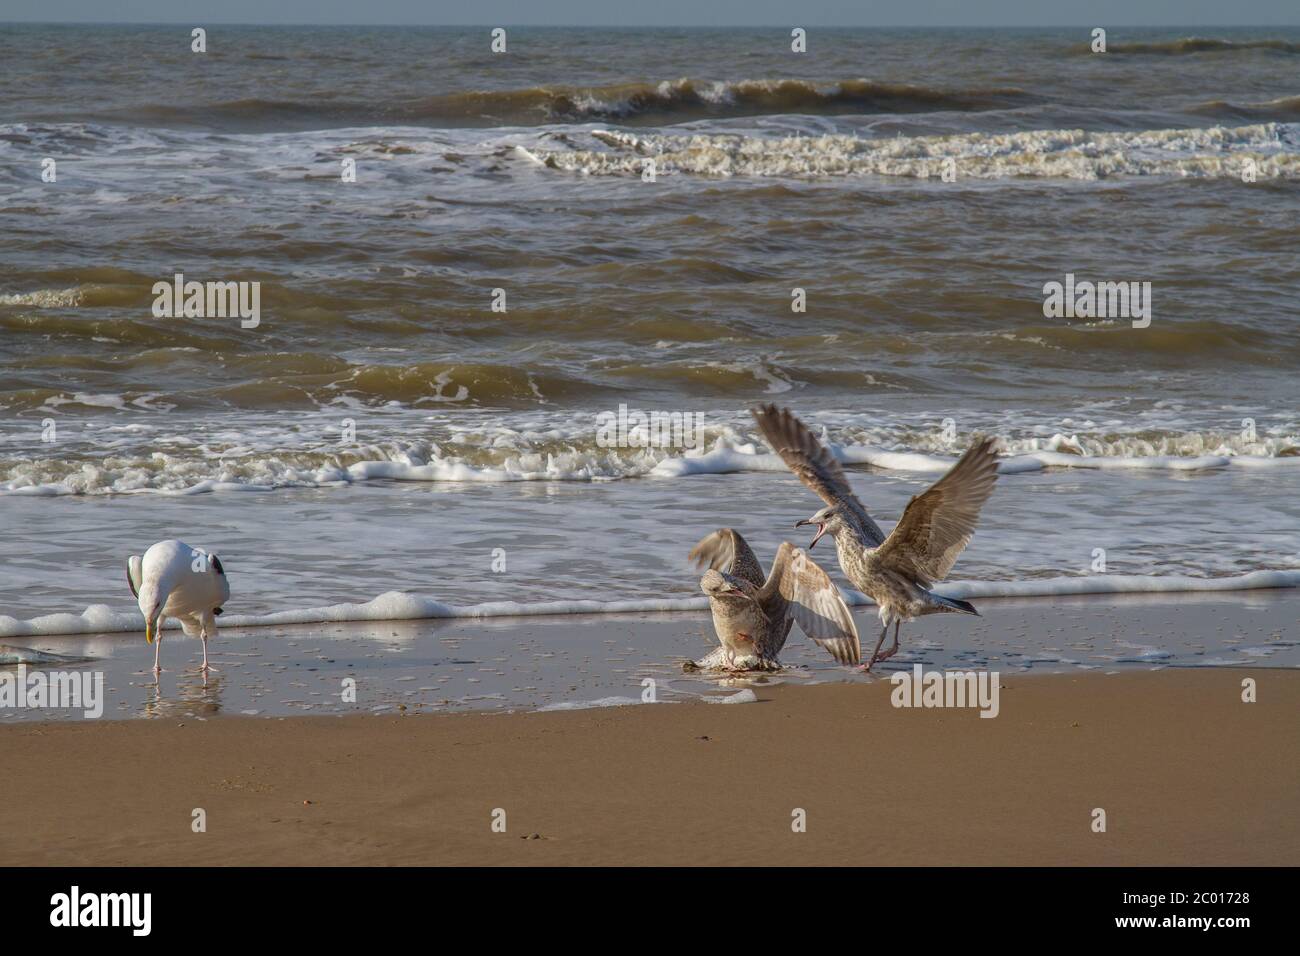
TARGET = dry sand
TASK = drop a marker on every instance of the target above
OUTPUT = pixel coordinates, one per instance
(1186, 772)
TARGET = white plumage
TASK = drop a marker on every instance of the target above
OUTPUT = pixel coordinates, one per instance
(175, 580)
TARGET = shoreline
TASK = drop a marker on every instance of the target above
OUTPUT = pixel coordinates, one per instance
(572, 662)
(1187, 773)
(400, 607)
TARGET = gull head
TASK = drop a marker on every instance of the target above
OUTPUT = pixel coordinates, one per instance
(716, 585)
(151, 605)
(828, 519)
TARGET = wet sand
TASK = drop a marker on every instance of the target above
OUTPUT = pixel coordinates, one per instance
(561, 661)
(1186, 772)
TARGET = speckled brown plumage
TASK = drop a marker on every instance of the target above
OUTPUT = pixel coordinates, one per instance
(896, 572)
(753, 614)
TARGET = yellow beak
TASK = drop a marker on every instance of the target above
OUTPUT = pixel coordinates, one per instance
(148, 631)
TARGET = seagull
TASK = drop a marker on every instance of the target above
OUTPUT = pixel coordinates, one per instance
(897, 572)
(753, 612)
(175, 580)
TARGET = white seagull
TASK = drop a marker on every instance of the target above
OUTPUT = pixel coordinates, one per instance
(175, 580)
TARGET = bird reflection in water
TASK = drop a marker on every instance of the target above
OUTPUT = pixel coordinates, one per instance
(197, 693)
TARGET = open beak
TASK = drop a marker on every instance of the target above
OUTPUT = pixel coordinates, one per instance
(821, 530)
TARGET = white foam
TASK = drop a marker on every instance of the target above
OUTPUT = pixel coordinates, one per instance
(217, 462)
(403, 606)
(745, 696)
(724, 459)
(590, 704)
(1141, 653)
(45, 298)
(1215, 151)
(1119, 584)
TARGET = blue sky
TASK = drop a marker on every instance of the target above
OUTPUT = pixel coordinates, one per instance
(1107, 13)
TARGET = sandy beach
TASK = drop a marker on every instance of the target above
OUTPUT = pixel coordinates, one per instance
(1186, 772)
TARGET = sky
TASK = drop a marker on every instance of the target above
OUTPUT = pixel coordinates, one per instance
(1026, 13)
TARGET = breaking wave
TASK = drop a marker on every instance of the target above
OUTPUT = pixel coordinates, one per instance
(1196, 45)
(503, 455)
(665, 102)
(1063, 153)
(402, 606)
(1284, 108)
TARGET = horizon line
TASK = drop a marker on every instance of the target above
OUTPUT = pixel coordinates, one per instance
(669, 26)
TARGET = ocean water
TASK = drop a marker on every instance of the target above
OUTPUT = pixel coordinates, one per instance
(384, 429)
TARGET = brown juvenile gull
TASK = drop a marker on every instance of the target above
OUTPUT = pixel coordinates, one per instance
(896, 572)
(752, 614)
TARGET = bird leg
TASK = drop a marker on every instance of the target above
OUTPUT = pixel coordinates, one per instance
(157, 649)
(204, 635)
(894, 649)
(874, 654)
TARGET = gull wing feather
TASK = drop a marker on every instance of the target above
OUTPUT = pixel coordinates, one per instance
(936, 526)
(727, 551)
(814, 465)
(813, 601)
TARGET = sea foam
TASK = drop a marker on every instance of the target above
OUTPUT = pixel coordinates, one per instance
(1217, 151)
(403, 606)
(579, 459)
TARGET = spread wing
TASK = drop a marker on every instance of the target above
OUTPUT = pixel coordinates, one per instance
(725, 550)
(814, 603)
(814, 465)
(134, 573)
(937, 525)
